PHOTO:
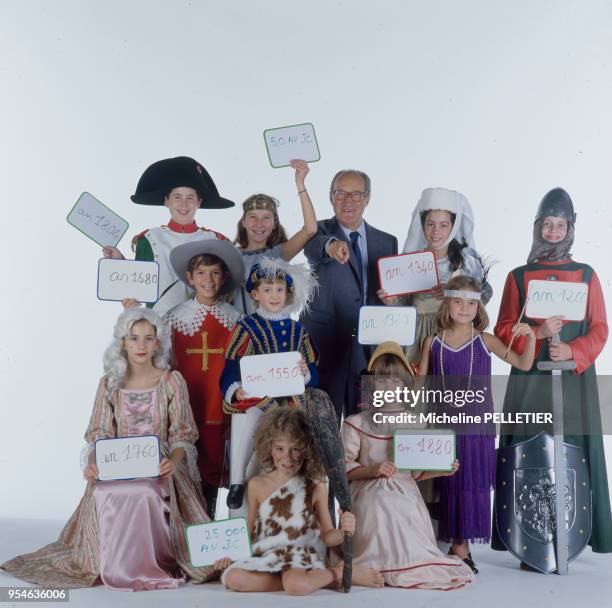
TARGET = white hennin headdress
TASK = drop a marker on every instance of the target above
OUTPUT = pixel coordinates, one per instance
(445, 200)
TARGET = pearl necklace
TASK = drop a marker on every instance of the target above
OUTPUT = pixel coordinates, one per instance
(471, 362)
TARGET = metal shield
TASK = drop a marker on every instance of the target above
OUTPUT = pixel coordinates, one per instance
(525, 499)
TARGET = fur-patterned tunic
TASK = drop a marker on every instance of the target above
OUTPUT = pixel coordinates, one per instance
(286, 531)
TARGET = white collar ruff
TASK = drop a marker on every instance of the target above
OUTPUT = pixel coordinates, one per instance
(274, 316)
(188, 317)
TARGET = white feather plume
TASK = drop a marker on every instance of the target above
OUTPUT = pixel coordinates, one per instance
(304, 282)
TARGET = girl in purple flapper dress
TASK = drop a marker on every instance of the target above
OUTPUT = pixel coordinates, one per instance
(458, 361)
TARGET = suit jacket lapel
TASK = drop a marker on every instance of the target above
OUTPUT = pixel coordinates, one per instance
(337, 230)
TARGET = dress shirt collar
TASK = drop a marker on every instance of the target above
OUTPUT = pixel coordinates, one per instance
(360, 230)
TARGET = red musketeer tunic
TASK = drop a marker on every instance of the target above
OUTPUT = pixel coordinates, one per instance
(199, 335)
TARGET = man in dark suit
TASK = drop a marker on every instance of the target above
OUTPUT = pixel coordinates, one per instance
(343, 253)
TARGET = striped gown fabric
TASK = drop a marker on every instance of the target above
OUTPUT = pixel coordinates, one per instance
(73, 560)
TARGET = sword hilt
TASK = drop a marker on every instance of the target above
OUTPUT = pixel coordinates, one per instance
(561, 366)
(551, 366)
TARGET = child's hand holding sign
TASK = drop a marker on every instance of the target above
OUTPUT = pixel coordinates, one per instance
(112, 252)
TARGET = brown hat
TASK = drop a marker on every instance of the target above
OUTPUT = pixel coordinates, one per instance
(181, 254)
(390, 348)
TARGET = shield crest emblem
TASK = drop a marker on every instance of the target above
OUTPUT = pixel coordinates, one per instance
(526, 498)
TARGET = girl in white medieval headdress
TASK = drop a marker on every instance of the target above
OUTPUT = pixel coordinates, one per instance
(442, 222)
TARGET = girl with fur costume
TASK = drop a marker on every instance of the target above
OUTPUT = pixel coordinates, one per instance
(116, 520)
(260, 234)
(280, 289)
(395, 532)
(288, 516)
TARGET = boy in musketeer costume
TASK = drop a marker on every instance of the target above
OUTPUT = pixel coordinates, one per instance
(201, 327)
(182, 185)
(280, 289)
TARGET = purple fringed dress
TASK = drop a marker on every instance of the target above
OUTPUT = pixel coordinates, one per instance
(465, 497)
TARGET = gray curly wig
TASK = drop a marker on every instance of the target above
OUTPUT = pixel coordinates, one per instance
(115, 360)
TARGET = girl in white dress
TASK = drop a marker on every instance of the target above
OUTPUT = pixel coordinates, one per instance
(395, 533)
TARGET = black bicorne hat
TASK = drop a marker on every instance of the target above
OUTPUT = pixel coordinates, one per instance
(557, 203)
(182, 171)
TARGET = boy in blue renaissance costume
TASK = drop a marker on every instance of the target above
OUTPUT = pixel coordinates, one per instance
(279, 289)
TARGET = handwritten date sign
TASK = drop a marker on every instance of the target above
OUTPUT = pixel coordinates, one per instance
(127, 457)
(275, 375)
(424, 450)
(96, 221)
(212, 541)
(119, 279)
(378, 324)
(552, 298)
(408, 273)
(286, 143)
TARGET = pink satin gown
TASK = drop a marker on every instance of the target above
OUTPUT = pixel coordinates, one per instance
(135, 548)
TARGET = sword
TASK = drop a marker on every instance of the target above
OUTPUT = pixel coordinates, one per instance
(561, 537)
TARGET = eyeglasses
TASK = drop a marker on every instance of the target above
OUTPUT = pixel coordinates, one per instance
(356, 197)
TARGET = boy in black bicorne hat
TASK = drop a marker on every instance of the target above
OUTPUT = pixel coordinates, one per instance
(183, 185)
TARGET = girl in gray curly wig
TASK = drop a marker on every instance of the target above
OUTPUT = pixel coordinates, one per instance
(115, 360)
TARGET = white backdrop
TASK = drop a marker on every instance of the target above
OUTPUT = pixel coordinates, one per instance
(500, 100)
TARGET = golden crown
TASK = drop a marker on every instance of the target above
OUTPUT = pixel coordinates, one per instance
(260, 201)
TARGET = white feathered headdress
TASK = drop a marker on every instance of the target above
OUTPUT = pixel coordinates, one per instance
(301, 281)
